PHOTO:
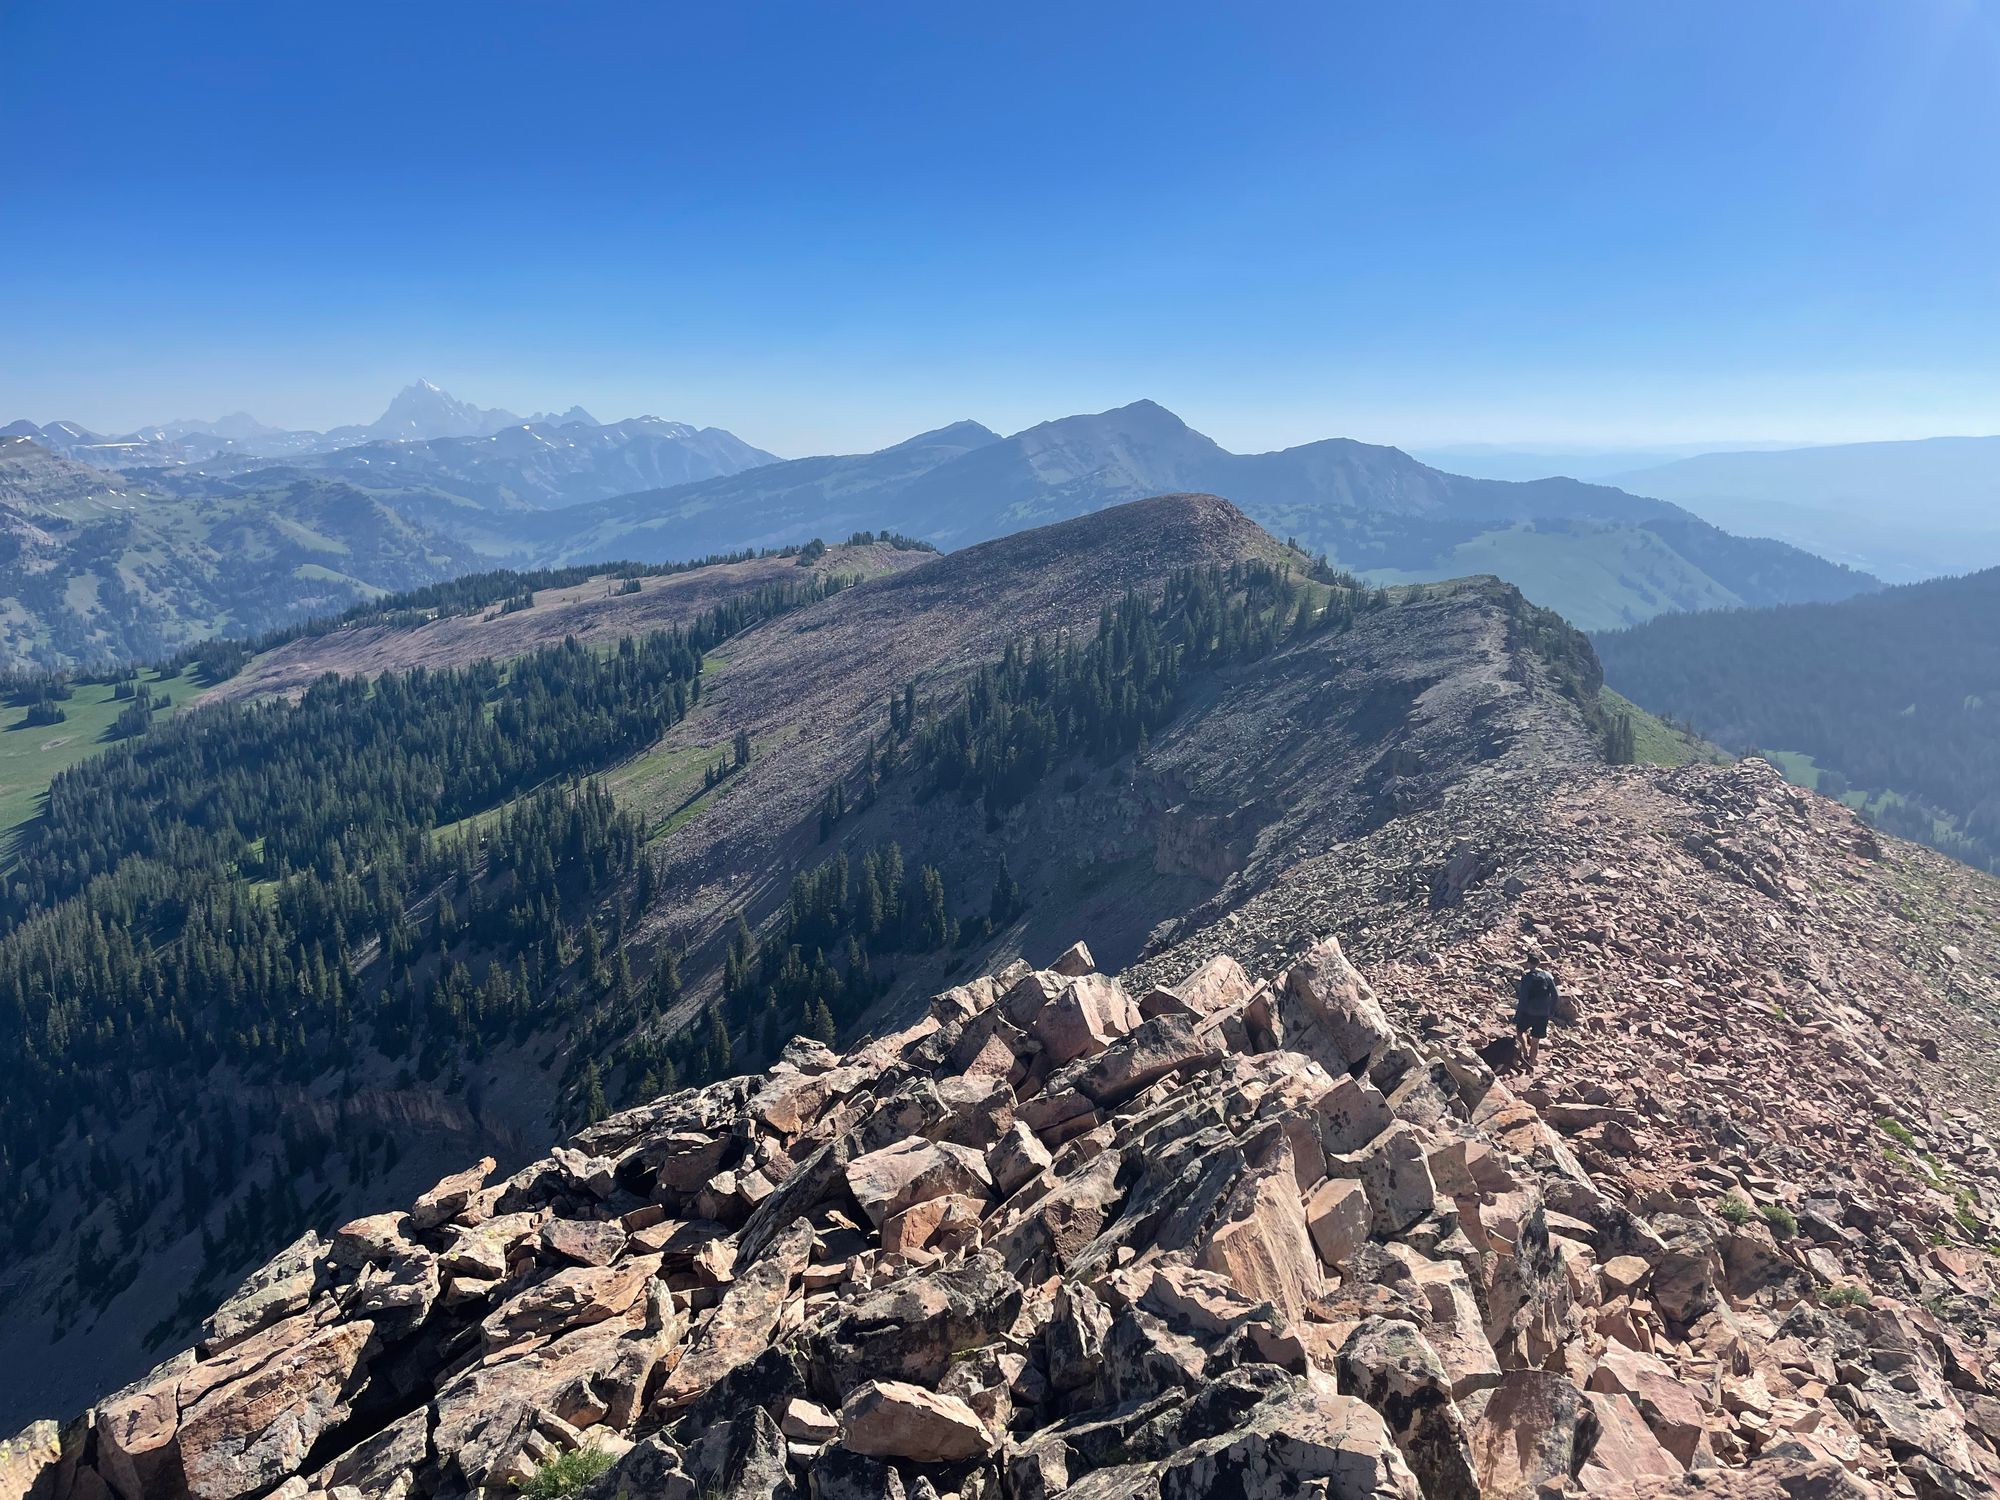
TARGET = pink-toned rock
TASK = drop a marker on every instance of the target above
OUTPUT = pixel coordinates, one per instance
(1623, 1275)
(449, 1198)
(1153, 1049)
(1532, 1431)
(135, 1432)
(1217, 986)
(1086, 1017)
(1351, 1113)
(1262, 1243)
(1074, 960)
(1669, 1407)
(687, 1160)
(893, 1419)
(917, 1226)
(244, 1437)
(888, 1181)
(789, 1102)
(1397, 1175)
(1337, 1214)
(572, 1297)
(370, 1241)
(1016, 1159)
(587, 1242)
(1457, 1329)
(1028, 995)
(739, 1328)
(808, 1421)
(1335, 1001)
(1626, 1450)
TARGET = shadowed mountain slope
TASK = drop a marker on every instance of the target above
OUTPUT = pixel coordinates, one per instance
(1891, 699)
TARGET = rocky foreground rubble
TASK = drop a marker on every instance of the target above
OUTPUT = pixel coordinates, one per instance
(1229, 1237)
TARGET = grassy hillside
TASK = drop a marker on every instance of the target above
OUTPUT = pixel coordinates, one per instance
(30, 755)
(1596, 577)
(134, 577)
(1655, 742)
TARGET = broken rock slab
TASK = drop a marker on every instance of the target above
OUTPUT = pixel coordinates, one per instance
(887, 1181)
(894, 1419)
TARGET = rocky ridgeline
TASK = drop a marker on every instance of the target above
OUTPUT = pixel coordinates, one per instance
(1225, 1238)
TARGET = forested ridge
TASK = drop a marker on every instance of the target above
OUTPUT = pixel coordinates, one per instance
(1896, 692)
(397, 879)
(265, 892)
(829, 951)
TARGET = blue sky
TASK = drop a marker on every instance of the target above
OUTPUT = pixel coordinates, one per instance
(829, 226)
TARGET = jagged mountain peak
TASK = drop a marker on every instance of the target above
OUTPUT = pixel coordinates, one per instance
(425, 410)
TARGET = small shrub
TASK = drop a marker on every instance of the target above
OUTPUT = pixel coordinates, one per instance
(1896, 1130)
(1784, 1223)
(566, 1474)
(1963, 1211)
(1734, 1208)
(1846, 1296)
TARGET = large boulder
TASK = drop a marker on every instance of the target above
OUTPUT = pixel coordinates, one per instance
(1338, 1215)
(1335, 1016)
(1626, 1451)
(894, 1419)
(1687, 1271)
(1533, 1429)
(1669, 1408)
(1308, 1443)
(1395, 1170)
(278, 1289)
(1218, 986)
(449, 1198)
(739, 1327)
(244, 1437)
(1089, 1013)
(1391, 1366)
(1262, 1243)
(911, 1329)
(887, 1181)
(1166, 1044)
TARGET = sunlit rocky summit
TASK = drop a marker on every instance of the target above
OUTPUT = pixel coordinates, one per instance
(1239, 1235)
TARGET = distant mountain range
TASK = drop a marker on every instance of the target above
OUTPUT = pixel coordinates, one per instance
(1599, 555)
(95, 567)
(419, 413)
(102, 513)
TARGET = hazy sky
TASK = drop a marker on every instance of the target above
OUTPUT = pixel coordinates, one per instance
(829, 226)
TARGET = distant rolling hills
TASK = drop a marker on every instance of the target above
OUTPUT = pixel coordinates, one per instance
(1903, 510)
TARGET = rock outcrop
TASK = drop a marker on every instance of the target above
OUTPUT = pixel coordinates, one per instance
(1230, 1238)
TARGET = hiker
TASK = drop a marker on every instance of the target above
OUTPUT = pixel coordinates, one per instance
(1534, 1002)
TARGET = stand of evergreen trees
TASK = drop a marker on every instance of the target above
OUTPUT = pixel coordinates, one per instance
(409, 868)
(1047, 700)
(1895, 694)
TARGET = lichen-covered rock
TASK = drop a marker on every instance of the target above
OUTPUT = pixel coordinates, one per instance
(1392, 1367)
